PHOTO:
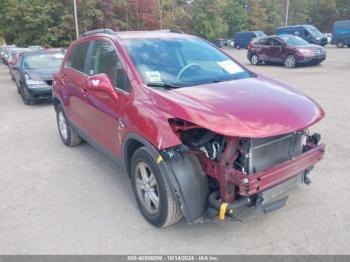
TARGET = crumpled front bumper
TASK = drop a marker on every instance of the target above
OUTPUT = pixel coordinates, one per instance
(252, 186)
(277, 174)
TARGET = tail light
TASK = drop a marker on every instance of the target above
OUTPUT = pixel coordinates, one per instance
(250, 45)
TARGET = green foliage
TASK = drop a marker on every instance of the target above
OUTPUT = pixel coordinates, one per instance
(43, 22)
(321, 12)
(275, 15)
(257, 15)
(51, 22)
(298, 12)
(207, 19)
(235, 16)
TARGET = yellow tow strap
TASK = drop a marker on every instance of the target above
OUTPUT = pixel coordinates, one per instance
(222, 212)
(159, 159)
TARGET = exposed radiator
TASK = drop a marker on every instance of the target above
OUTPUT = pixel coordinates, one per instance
(262, 153)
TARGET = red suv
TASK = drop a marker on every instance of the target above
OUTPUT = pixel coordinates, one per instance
(288, 50)
(196, 131)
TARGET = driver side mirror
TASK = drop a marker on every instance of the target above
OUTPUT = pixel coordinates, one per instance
(101, 83)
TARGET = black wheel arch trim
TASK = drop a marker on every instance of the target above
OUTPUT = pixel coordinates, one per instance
(184, 175)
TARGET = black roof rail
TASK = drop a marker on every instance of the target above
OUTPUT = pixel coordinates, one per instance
(98, 31)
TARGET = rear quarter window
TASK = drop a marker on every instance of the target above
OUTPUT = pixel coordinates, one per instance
(78, 56)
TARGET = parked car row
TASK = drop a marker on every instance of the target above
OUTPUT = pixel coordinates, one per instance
(340, 35)
(197, 132)
(292, 46)
(32, 69)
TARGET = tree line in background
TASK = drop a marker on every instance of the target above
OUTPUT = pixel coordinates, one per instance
(51, 22)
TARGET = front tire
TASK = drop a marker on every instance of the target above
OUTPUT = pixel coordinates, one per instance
(254, 59)
(67, 133)
(340, 44)
(290, 61)
(27, 97)
(152, 191)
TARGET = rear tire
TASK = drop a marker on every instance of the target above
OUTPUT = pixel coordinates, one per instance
(152, 192)
(290, 61)
(254, 59)
(340, 44)
(67, 133)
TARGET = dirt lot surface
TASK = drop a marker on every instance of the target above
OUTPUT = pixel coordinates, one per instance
(59, 200)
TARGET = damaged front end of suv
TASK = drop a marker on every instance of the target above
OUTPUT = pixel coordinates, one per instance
(250, 171)
(249, 158)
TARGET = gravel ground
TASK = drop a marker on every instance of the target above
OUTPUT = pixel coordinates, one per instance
(59, 200)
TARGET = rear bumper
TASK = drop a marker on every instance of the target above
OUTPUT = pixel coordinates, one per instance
(273, 176)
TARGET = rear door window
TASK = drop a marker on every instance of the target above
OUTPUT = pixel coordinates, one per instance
(263, 41)
(104, 59)
(275, 42)
(78, 56)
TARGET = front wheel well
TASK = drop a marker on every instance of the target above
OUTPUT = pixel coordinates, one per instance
(250, 57)
(56, 102)
(130, 147)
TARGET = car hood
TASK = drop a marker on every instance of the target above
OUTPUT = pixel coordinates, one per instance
(253, 107)
(44, 74)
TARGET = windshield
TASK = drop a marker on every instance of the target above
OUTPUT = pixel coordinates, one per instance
(313, 31)
(17, 51)
(179, 62)
(42, 61)
(293, 40)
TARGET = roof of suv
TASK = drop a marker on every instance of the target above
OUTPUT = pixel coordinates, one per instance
(167, 33)
(150, 34)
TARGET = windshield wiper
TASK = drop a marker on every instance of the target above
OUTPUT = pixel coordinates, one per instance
(164, 85)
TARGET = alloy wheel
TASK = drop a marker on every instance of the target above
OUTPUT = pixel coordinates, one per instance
(340, 44)
(290, 61)
(147, 187)
(255, 59)
(62, 125)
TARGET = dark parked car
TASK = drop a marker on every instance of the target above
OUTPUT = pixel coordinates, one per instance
(341, 33)
(7, 53)
(307, 32)
(2, 51)
(194, 129)
(34, 74)
(285, 49)
(14, 55)
(242, 39)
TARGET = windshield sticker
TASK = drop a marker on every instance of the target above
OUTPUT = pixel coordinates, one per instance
(153, 76)
(230, 67)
